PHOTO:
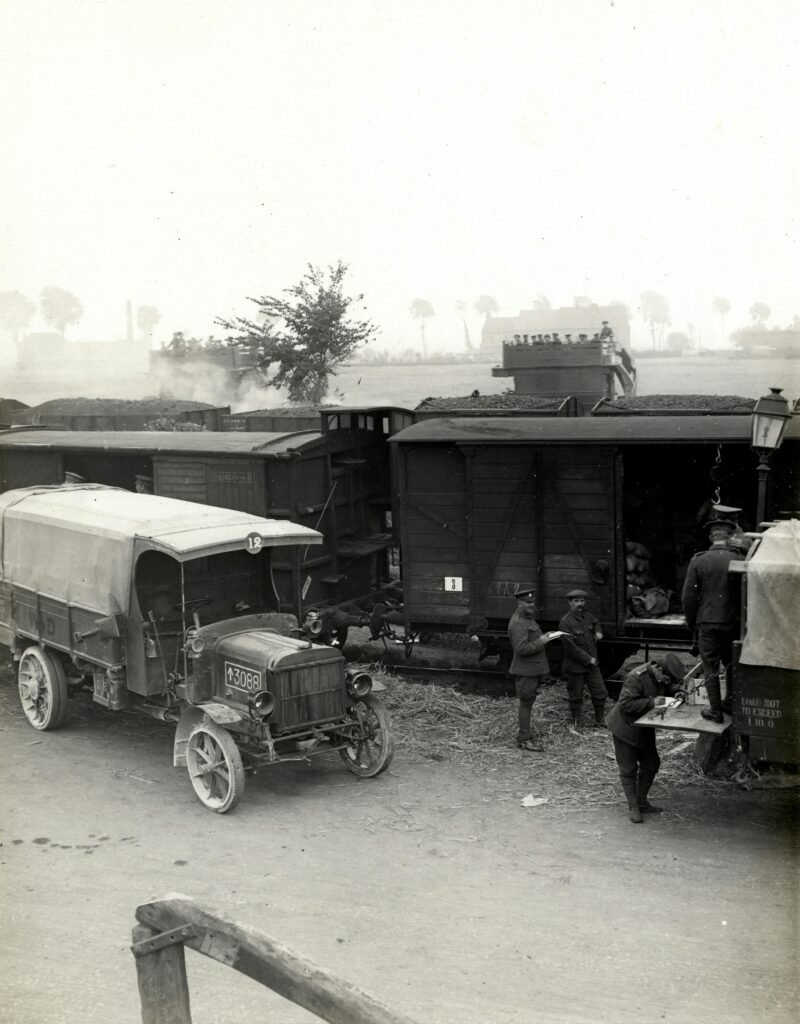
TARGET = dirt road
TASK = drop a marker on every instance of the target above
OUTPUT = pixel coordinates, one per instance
(430, 887)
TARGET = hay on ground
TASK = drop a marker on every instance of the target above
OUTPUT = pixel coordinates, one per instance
(441, 723)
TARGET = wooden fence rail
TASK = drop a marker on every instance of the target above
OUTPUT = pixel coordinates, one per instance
(167, 925)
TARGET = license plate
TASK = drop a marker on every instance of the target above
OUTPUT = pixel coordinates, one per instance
(240, 677)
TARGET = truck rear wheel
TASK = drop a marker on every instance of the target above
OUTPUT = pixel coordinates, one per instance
(372, 748)
(42, 688)
(215, 767)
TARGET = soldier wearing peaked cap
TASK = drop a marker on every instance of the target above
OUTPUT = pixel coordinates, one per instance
(635, 745)
(710, 599)
(580, 667)
(529, 665)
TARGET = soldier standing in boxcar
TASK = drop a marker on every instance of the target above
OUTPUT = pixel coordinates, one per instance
(635, 745)
(529, 665)
(580, 666)
(711, 605)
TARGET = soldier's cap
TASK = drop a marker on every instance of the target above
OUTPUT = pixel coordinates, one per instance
(524, 593)
(144, 478)
(74, 478)
(673, 667)
(726, 510)
(576, 593)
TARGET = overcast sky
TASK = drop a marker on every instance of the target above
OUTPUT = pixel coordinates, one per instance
(186, 154)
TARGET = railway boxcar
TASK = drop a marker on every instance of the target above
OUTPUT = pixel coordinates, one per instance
(334, 479)
(488, 505)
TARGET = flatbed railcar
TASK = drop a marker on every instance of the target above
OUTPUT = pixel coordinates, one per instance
(489, 505)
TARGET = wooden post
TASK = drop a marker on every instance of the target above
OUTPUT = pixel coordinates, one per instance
(163, 988)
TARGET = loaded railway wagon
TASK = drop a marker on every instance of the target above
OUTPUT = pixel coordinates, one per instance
(335, 479)
(488, 505)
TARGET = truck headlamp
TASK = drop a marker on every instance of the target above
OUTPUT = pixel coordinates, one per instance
(195, 644)
(358, 683)
(264, 703)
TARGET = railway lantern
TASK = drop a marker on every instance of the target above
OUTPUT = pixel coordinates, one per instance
(770, 417)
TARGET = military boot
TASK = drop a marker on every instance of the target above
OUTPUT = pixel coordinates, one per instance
(643, 784)
(599, 715)
(713, 713)
(576, 717)
(634, 813)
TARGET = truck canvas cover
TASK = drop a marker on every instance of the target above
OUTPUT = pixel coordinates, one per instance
(78, 543)
(773, 599)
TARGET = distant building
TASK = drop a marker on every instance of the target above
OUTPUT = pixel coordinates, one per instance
(780, 342)
(573, 320)
(41, 352)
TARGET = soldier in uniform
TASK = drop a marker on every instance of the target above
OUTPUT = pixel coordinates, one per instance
(580, 668)
(606, 331)
(635, 745)
(710, 600)
(529, 664)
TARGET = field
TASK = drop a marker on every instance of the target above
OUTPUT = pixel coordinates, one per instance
(407, 385)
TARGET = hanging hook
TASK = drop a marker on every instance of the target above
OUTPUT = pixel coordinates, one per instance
(718, 462)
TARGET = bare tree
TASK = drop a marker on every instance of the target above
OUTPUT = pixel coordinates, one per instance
(655, 313)
(422, 310)
(60, 308)
(16, 312)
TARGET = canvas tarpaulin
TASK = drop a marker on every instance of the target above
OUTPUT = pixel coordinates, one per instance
(773, 599)
(88, 569)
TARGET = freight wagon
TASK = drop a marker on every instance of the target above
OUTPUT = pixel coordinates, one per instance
(334, 479)
(488, 505)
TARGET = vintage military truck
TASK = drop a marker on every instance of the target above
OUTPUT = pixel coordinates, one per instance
(167, 607)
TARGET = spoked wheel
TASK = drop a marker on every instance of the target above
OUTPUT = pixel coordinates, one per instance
(215, 767)
(372, 748)
(42, 689)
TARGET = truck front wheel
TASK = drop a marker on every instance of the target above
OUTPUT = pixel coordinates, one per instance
(371, 748)
(42, 688)
(215, 767)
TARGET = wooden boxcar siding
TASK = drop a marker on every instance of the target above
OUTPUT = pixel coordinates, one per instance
(223, 482)
(488, 519)
(433, 507)
(541, 517)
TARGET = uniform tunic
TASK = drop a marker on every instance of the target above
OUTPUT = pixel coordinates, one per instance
(529, 665)
(635, 745)
(710, 600)
(579, 649)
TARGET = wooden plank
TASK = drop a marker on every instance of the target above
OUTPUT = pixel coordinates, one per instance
(687, 717)
(266, 961)
(163, 987)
